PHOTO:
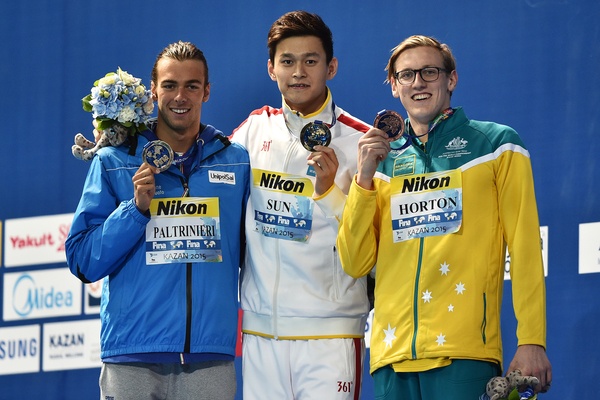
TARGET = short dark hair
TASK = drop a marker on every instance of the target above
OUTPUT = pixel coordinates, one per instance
(181, 51)
(299, 23)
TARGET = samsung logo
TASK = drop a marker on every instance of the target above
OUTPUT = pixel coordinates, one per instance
(18, 348)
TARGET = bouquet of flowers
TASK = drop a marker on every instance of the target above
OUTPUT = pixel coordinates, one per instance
(119, 98)
(121, 105)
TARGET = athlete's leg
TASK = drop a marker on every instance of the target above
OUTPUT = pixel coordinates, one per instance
(463, 379)
(391, 385)
(266, 368)
(327, 368)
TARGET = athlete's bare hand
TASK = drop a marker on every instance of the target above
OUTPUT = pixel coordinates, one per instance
(325, 163)
(144, 186)
(532, 360)
(373, 147)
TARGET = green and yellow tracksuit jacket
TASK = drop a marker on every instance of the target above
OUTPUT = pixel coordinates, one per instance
(435, 229)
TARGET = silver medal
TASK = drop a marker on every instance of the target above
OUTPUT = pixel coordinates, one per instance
(159, 154)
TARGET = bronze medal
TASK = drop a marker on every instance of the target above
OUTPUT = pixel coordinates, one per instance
(390, 122)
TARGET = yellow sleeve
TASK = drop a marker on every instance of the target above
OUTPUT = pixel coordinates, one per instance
(519, 217)
(358, 234)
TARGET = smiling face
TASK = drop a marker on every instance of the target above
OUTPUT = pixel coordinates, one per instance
(179, 91)
(423, 101)
(301, 71)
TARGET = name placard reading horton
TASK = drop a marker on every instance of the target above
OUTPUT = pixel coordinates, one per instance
(426, 205)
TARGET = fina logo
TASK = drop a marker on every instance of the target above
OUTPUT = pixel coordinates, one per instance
(27, 297)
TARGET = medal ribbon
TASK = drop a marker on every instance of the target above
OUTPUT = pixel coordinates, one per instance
(444, 115)
(447, 113)
(184, 161)
(317, 122)
(333, 119)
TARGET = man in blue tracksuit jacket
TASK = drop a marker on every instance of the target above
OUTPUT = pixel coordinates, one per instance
(167, 246)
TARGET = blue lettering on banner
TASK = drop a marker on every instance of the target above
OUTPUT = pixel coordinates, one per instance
(18, 348)
(38, 298)
(67, 340)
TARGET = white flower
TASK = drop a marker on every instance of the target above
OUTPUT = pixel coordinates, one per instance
(127, 78)
(127, 114)
(108, 80)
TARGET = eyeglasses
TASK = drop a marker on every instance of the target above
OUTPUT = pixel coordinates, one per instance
(428, 74)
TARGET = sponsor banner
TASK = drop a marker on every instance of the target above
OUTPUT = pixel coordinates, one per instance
(40, 294)
(36, 240)
(544, 237)
(93, 294)
(71, 345)
(19, 350)
(589, 248)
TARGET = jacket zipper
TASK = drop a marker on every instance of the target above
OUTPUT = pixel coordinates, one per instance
(188, 291)
(188, 272)
(278, 258)
(416, 301)
(336, 290)
(426, 168)
(188, 316)
(276, 289)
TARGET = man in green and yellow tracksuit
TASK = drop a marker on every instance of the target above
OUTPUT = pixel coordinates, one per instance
(432, 213)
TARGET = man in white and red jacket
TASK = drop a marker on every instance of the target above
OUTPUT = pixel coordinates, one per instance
(303, 317)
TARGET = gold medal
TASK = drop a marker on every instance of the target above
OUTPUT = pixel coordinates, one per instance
(313, 134)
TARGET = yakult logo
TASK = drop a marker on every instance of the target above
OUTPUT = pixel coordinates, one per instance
(36, 240)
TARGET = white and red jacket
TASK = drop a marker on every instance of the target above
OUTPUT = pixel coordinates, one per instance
(293, 285)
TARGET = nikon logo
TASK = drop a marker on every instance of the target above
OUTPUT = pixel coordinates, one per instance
(274, 181)
(421, 183)
(178, 207)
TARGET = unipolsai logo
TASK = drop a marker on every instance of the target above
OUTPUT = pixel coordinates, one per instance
(221, 177)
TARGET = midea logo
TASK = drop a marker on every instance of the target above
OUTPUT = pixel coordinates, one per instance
(27, 297)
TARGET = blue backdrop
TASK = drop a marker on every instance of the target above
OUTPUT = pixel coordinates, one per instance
(530, 64)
